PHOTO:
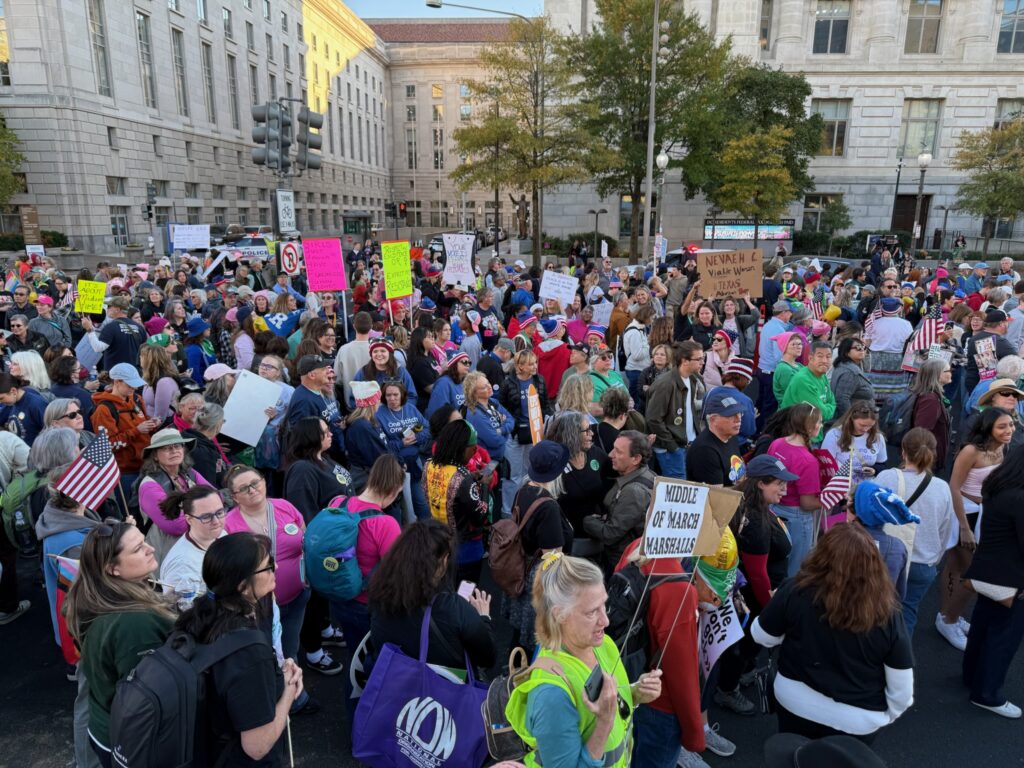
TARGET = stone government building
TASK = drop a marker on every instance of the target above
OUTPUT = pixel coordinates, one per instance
(108, 96)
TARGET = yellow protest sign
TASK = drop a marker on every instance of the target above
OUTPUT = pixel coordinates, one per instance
(90, 297)
(397, 269)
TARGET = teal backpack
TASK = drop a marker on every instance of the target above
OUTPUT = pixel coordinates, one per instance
(330, 552)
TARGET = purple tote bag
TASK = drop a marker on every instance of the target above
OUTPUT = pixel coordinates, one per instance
(409, 716)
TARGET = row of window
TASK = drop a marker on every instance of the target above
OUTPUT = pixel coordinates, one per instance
(437, 113)
(924, 21)
(919, 126)
(437, 91)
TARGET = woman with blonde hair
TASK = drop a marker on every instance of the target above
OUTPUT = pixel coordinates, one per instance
(577, 394)
(523, 391)
(29, 366)
(550, 710)
(492, 422)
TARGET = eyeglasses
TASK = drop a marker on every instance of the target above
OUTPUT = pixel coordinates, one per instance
(209, 517)
(858, 347)
(604, 357)
(250, 488)
(71, 415)
(464, 362)
(695, 359)
(269, 567)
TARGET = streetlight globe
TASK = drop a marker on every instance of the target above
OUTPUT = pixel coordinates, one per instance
(924, 159)
(603, 210)
(662, 161)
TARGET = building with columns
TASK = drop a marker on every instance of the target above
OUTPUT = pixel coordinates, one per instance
(892, 78)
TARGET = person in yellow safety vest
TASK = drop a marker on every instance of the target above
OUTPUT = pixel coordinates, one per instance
(550, 710)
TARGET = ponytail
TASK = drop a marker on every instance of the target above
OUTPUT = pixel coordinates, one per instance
(178, 503)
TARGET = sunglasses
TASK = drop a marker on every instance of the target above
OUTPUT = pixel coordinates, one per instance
(72, 415)
(209, 517)
(269, 567)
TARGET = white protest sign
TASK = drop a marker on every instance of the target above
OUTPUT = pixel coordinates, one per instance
(718, 630)
(604, 249)
(675, 519)
(561, 288)
(188, 237)
(35, 252)
(513, 248)
(86, 355)
(458, 266)
(602, 313)
(244, 417)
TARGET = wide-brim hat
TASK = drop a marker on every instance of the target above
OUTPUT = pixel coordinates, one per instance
(1001, 386)
(547, 460)
(166, 437)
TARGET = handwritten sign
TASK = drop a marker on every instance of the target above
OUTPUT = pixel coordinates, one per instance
(90, 297)
(602, 313)
(325, 268)
(187, 237)
(686, 519)
(458, 267)
(727, 273)
(397, 269)
(561, 288)
(718, 630)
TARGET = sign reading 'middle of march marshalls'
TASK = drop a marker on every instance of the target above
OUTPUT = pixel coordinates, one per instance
(686, 519)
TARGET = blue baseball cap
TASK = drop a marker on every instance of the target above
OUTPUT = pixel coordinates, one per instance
(769, 466)
(127, 373)
(722, 402)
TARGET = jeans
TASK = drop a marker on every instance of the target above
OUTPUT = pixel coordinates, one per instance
(85, 757)
(656, 738)
(801, 533)
(420, 507)
(292, 615)
(633, 377)
(919, 579)
(518, 466)
(766, 402)
(673, 463)
(354, 620)
(995, 636)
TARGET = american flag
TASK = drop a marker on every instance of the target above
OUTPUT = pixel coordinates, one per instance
(69, 298)
(817, 302)
(838, 487)
(929, 329)
(93, 475)
(869, 321)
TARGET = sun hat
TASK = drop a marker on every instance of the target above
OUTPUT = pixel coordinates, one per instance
(1000, 386)
(196, 327)
(547, 460)
(166, 437)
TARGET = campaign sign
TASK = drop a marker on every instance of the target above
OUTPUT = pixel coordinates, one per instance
(325, 269)
(718, 630)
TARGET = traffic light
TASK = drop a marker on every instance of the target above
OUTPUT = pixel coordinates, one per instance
(390, 210)
(151, 194)
(308, 141)
(267, 130)
(287, 130)
(402, 208)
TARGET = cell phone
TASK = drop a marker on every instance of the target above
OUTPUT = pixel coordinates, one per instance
(466, 589)
(594, 684)
(408, 433)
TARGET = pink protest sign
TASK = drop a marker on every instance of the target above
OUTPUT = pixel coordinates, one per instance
(325, 268)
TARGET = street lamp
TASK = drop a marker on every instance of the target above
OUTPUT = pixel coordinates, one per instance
(662, 162)
(715, 212)
(945, 218)
(659, 39)
(923, 161)
(597, 215)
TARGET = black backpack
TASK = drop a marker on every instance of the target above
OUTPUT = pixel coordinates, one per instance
(897, 416)
(158, 716)
(627, 615)
(621, 357)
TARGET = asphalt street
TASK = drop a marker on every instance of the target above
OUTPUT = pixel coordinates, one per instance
(942, 729)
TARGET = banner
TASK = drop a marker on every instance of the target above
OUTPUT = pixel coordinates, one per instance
(244, 417)
(187, 237)
(727, 273)
(397, 269)
(561, 288)
(686, 519)
(90, 297)
(325, 268)
(718, 630)
(458, 267)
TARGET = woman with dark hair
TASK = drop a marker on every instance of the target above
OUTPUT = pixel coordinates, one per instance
(249, 693)
(383, 367)
(588, 473)
(458, 497)
(849, 382)
(417, 573)
(312, 478)
(113, 614)
(423, 366)
(204, 512)
(64, 382)
(199, 349)
(997, 575)
(615, 411)
(856, 438)
(448, 387)
(983, 451)
(842, 600)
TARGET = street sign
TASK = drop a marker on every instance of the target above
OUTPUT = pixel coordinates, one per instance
(290, 258)
(285, 199)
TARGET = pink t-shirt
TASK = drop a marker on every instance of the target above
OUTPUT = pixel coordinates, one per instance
(289, 529)
(151, 493)
(376, 535)
(800, 461)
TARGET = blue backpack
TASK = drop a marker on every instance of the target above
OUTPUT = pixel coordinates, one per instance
(330, 552)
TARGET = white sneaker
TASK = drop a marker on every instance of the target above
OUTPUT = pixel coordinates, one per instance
(689, 759)
(1006, 709)
(951, 633)
(717, 743)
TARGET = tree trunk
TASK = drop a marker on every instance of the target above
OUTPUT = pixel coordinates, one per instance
(830, 236)
(634, 226)
(984, 246)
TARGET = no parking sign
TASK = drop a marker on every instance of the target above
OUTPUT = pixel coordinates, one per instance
(290, 258)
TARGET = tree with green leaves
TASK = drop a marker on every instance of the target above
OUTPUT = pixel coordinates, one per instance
(993, 160)
(613, 63)
(526, 134)
(11, 182)
(757, 182)
(835, 217)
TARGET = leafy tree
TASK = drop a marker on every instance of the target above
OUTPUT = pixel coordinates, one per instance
(993, 160)
(835, 216)
(757, 182)
(613, 64)
(527, 135)
(11, 182)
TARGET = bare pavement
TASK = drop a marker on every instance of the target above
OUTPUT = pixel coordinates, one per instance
(942, 729)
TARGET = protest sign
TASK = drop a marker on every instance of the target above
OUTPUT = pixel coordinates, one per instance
(87, 356)
(325, 269)
(718, 630)
(397, 269)
(602, 313)
(90, 297)
(561, 288)
(35, 253)
(686, 519)
(187, 237)
(604, 249)
(727, 273)
(244, 417)
(458, 267)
